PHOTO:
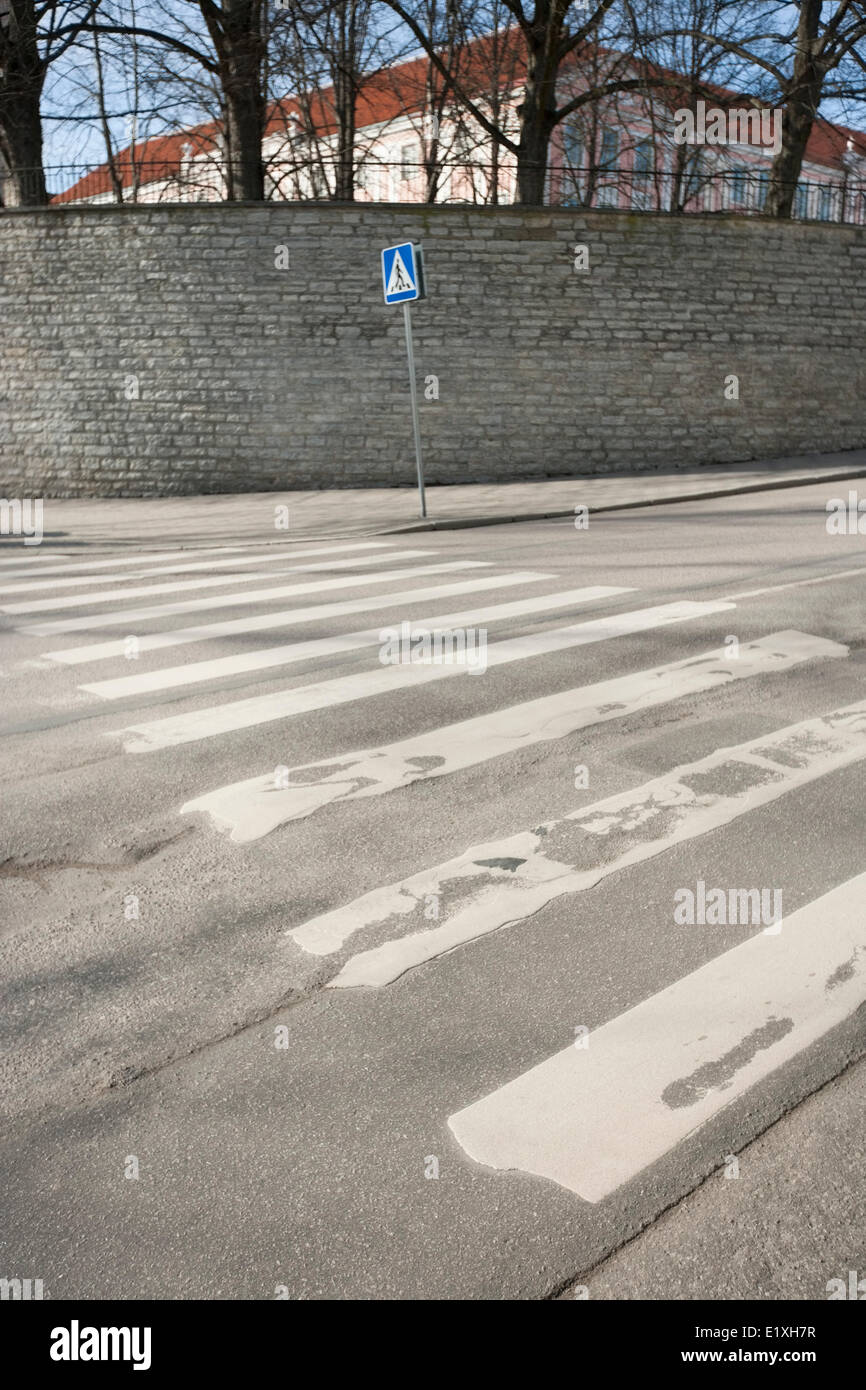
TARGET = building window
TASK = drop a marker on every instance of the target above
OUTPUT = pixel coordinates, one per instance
(825, 202)
(608, 193)
(573, 160)
(408, 162)
(641, 172)
(572, 145)
(609, 148)
(801, 201)
(739, 186)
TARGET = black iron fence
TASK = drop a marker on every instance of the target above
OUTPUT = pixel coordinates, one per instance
(837, 196)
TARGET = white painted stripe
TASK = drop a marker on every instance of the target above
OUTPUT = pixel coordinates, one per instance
(265, 658)
(197, 605)
(51, 605)
(291, 617)
(132, 557)
(273, 554)
(797, 584)
(254, 807)
(518, 876)
(593, 1118)
(282, 704)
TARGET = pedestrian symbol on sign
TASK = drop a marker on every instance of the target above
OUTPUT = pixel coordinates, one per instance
(399, 280)
(402, 273)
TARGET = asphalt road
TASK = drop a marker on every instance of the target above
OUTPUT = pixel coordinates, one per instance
(350, 1059)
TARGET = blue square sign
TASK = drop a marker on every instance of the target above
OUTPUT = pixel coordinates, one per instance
(401, 273)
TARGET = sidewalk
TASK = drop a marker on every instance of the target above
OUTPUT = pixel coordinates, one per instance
(223, 519)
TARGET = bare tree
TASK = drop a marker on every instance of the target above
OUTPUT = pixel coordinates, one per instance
(796, 65)
(105, 123)
(819, 48)
(688, 39)
(452, 151)
(326, 51)
(237, 33)
(32, 36)
(548, 39)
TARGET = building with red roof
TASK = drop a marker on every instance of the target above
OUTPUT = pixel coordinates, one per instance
(415, 142)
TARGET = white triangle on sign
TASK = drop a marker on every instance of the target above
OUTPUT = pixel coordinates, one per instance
(398, 280)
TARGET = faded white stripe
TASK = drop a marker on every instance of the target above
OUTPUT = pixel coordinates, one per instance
(263, 709)
(50, 605)
(271, 555)
(197, 605)
(114, 562)
(571, 855)
(268, 657)
(254, 807)
(291, 617)
(593, 1118)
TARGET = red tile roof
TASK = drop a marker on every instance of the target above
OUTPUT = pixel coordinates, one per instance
(395, 91)
(151, 160)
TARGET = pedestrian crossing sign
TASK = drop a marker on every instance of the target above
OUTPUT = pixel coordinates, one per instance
(402, 273)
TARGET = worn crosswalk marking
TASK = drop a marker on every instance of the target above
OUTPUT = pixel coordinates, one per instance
(265, 658)
(261, 709)
(506, 881)
(126, 617)
(255, 806)
(184, 565)
(592, 1118)
(588, 1118)
(175, 586)
(38, 564)
(292, 617)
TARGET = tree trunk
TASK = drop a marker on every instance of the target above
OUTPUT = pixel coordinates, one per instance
(21, 148)
(241, 55)
(679, 180)
(344, 100)
(245, 174)
(538, 110)
(344, 179)
(22, 74)
(345, 85)
(537, 120)
(532, 163)
(432, 169)
(493, 186)
(801, 106)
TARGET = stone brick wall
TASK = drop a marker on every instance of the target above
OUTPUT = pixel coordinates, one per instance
(162, 349)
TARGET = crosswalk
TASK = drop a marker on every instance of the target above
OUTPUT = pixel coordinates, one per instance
(262, 709)
(250, 809)
(124, 617)
(508, 881)
(588, 1118)
(265, 658)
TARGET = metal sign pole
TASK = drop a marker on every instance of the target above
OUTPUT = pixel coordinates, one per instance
(407, 321)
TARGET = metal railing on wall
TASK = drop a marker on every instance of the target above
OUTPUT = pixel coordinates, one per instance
(738, 191)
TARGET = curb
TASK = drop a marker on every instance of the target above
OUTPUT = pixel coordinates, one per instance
(768, 485)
